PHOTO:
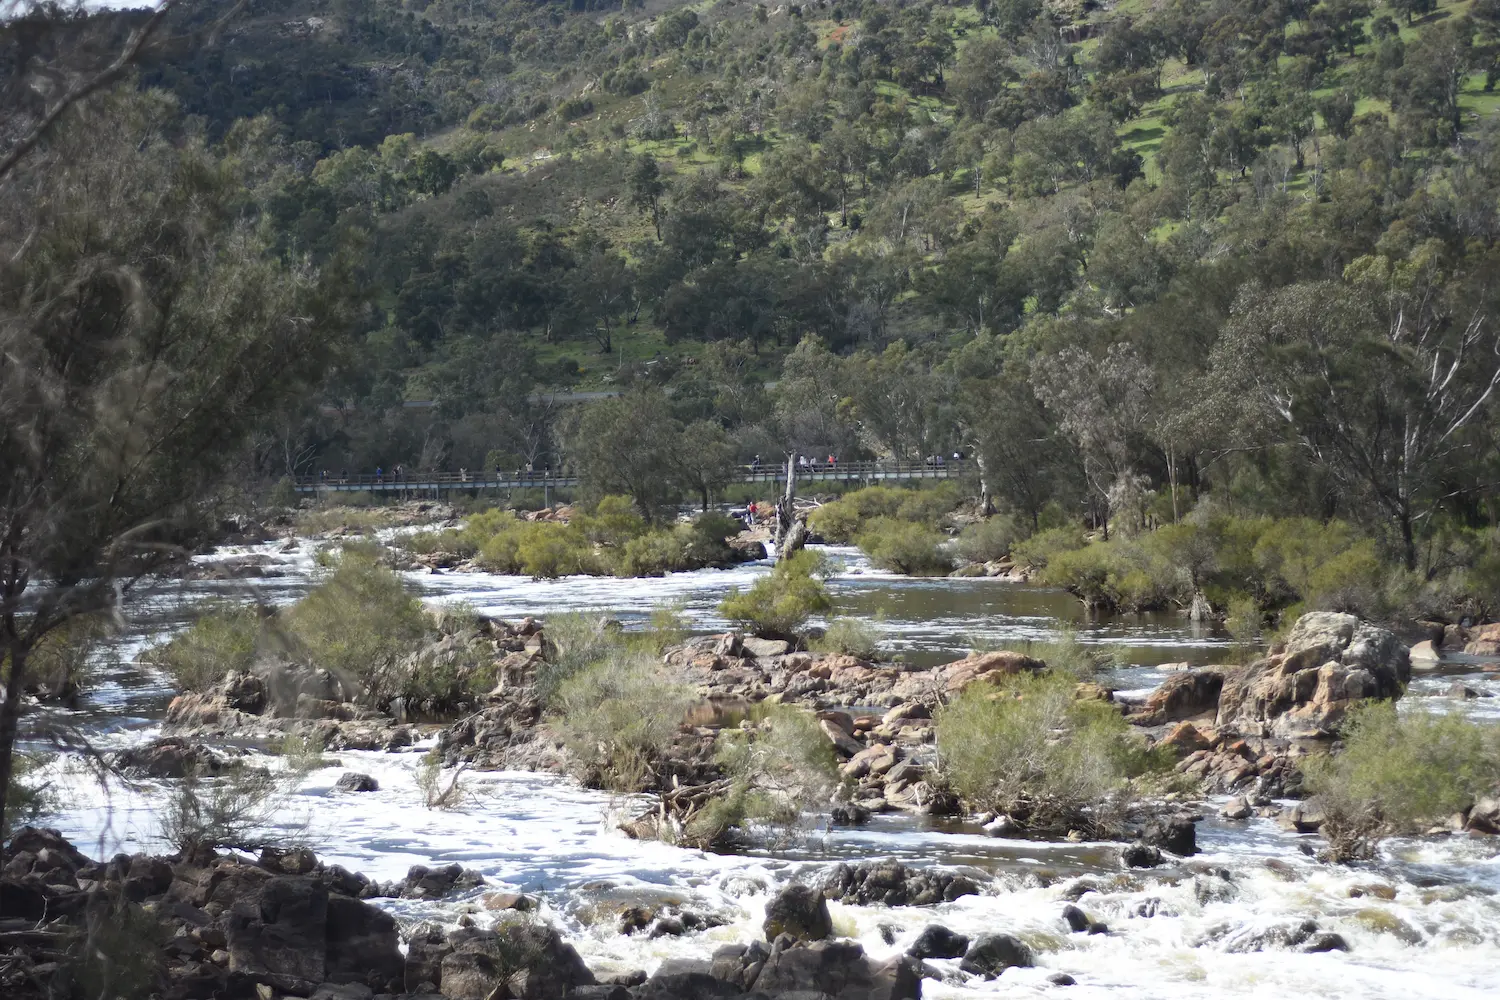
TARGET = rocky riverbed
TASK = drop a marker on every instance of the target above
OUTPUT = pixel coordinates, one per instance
(1421, 921)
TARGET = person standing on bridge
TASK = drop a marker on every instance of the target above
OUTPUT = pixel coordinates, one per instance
(379, 474)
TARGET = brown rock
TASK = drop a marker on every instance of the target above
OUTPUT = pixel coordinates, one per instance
(976, 666)
(1330, 663)
(1484, 640)
(1184, 695)
(1185, 739)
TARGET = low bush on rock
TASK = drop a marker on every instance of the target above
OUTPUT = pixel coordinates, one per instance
(358, 621)
(780, 767)
(611, 539)
(850, 637)
(989, 540)
(222, 638)
(1399, 774)
(1033, 750)
(617, 716)
(779, 604)
(905, 547)
(842, 520)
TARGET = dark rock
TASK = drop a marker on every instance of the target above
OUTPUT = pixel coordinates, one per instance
(425, 951)
(49, 848)
(294, 861)
(992, 954)
(1280, 937)
(1176, 834)
(669, 984)
(472, 975)
(422, 882)
(362, 945)
(1139, 855)
(172, 757)
(849, 814)
(1062, 979)
(280, 930)
(353, 781)
(1325, 941)
(800, 911)
(937, 941)
(837, 969)
(1078, 922)
(893, 884)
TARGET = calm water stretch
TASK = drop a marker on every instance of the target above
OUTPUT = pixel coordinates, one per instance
(1174, 931)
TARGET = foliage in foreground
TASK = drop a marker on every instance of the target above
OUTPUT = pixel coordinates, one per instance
(27, 799)
(780, 768)
(1400, 773)
(779, 604)
(234, 809)
(617, 717)
(1030, 749)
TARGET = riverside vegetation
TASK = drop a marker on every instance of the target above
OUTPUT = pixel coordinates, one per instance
(1204, 291)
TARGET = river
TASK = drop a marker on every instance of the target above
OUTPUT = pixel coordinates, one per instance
(1175, 932)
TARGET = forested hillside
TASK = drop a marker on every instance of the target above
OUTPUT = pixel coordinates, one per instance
(1129, 255)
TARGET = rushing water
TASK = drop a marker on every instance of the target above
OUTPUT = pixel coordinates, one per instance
(1438, 937)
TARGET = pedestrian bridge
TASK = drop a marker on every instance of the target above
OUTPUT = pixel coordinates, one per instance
(438, 483)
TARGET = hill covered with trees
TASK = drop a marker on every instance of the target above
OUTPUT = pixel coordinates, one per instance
(1127, 255)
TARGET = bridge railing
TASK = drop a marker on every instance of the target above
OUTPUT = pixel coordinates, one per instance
(751, 473)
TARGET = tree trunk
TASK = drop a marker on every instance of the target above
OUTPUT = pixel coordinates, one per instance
(986, 500)
(1408, 541)
(704, 491)
(10, 714)
(791, 532)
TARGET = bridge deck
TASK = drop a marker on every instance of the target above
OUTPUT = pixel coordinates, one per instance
(453, 481)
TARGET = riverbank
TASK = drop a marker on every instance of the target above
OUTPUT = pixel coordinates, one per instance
(543, 835)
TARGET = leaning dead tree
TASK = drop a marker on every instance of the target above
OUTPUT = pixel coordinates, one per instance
(791, 526)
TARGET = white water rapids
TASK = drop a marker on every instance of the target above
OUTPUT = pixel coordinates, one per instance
(1439, 937)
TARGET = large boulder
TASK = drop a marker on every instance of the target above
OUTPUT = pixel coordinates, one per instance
(837, 969)
(362, 945)
(1330, 662)
(800, 911)
(279, 933)
(986, 666)
(893, 884)
(1483, 640)
(992, 954)
(521, 961)
(1185, 695)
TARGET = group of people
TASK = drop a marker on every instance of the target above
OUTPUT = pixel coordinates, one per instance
(803, 462)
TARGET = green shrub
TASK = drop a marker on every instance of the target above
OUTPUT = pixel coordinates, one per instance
(357, 622)
(656, 553)
(929, 506)
(574, 641)
(841, 520)
(1066, 654)
(1041, 755)
(27, 798)
(850, 637)
(905, 547)
(284, 493)
(989, 540)
(614, 521)
(617, 717)
(235, 809)
(780, 768)
(1036, 552)
(706, 540)
(1399, 774)
(548, 551)
(780, 603)
(222, 638)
